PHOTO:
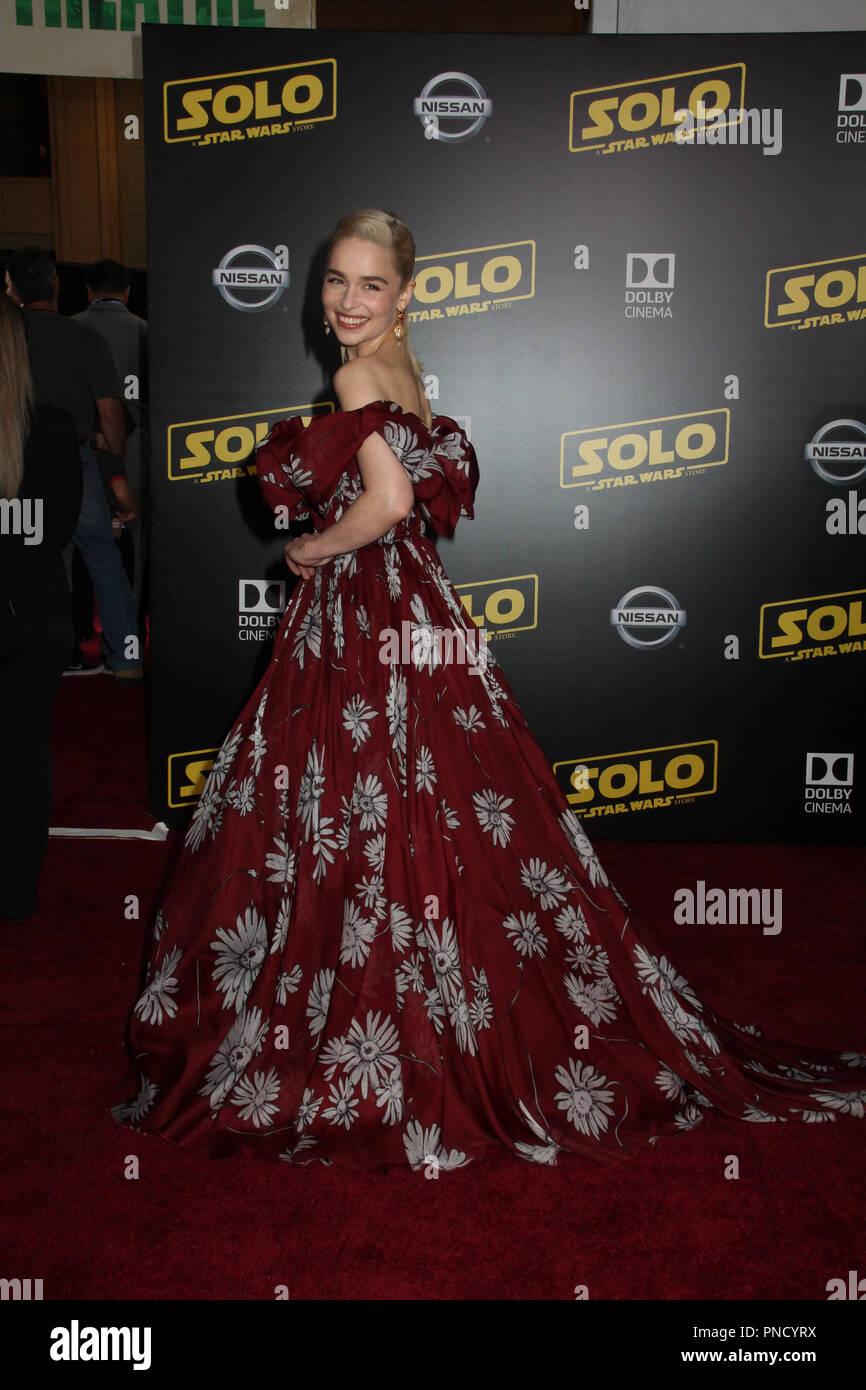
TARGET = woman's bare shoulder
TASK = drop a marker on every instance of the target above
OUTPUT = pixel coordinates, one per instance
(357, 383)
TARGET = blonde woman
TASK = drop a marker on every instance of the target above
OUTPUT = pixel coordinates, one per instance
(40, 499)
(387, 939)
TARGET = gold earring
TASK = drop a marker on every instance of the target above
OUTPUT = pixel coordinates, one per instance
(399, 330)
(327, 325)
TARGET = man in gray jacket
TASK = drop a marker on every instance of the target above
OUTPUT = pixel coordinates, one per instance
(73, 371)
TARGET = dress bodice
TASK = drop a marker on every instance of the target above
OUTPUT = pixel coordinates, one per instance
(312, 470)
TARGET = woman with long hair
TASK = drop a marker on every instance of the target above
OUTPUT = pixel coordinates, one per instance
(387, 939)
(40, 497)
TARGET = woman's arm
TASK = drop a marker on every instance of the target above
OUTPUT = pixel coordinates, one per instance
(387, 497)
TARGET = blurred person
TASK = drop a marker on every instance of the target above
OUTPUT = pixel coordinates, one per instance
(73, 370)
(126, 335)
(40, 499)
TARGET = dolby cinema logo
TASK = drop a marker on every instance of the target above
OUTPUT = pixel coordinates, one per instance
(649, 284)
(261, 603)
(647, 617)
(452, 107)
(252, 278)
(829, 784)
(837, 452)
(851, 113)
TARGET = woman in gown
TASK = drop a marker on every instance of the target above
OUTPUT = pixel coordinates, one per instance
(387, 939)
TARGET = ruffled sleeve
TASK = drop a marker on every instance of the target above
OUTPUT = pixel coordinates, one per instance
(303, 468)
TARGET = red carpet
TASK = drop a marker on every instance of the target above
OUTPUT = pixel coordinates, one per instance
(669, 1225)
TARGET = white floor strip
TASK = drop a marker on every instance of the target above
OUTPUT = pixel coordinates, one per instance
(159, 832)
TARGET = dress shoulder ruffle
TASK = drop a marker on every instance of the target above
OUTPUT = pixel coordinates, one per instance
(302, 467)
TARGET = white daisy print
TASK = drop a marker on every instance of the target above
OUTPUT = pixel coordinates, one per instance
(423, 1148)
(257, 738)
(138, 1108)
(281, 862)
(845, 1102)
(492, 816)
(223, 762)
(460, 1019)
(157, 998)
(445, 958)
(343, 1109)
(425, 773)
(578, 837)
(281, 926)
(654, 969)
(572, 923)
(584, 1098)
(526, 935)
(374, 851)
(308, 1109)
(357, 720)
(239, 957)
(312, 789)
(401, 927)
(390, 1096)
(242, 796)
(257, 1099)
(241, 1044)
(593, 998)
(470, 719)
(369, 1054)
(395, 708)
(670, 1084)
(289, 983)
(308, 637)
(548, 885)
(358, 933)
(370, 802)
(319, 999)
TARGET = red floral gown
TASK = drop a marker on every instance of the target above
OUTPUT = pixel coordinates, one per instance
(388, 939)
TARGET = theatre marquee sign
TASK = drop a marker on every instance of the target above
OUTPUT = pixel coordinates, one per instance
(102, 38)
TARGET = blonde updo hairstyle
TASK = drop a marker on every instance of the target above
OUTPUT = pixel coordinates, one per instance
(16, 395)
(390, 232)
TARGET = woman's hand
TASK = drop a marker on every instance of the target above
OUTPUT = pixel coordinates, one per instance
(301, 556)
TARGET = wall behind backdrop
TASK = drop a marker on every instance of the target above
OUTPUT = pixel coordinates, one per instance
(655, 345)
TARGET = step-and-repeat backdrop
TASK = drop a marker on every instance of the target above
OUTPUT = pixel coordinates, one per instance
(641, 287)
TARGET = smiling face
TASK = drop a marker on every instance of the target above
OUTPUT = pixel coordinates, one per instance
(361, 294)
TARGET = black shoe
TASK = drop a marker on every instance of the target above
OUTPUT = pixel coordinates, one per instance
(79, 667)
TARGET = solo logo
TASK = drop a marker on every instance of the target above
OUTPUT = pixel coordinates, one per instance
(648, 779)
(238, 276)
(648, 617)
(261, 604)
(851, 115)
(473, 281)
(218, 450)
(644, 451)
(806, 628)
(187, 774)
(245, 105)
(636, 115)
(837, 452)
(457, 99)
(502, 606)
(816, 295)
